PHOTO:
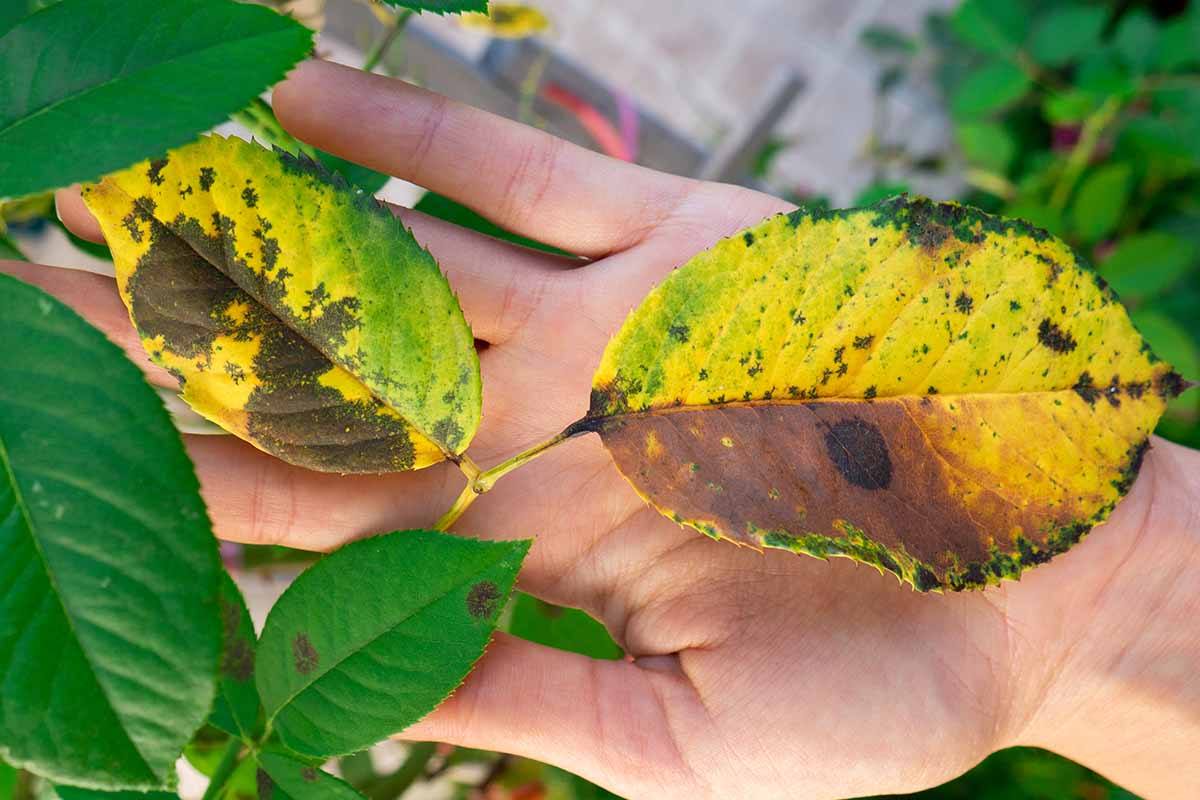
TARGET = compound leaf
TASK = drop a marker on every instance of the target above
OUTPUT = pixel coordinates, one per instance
(283, 778)
(297, 312)
(942, 393)
(150, 75)
(109, 634)
(373, 637)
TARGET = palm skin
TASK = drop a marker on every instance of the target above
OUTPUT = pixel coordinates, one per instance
(751, 674)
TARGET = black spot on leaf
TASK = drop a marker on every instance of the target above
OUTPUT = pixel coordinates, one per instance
(748, 238)
(1055, 337)
(304, 654)
(1086, 388)
(154, 173)
(250, 197)
(1170, 385)
(964, 303)
(208, 176)
(860, 453)
(483, 599)
(309, 774)
(863, 342)
(266, 786)
(679, 333)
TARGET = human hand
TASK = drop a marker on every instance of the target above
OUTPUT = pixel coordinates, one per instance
(753, 675)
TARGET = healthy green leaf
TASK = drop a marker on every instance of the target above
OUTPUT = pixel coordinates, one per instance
(236, 710)
(1147, 263)
(13, 11)
(297, 311)
(1066, 33)
(79, 793)
(442, 6)
(1103, 74)
(987, 144)
(1070, 106)
(1137, 39)
(990, 88)
(1101, 200)
(880, 384)
(560, 627)
(998, 27)
(373, 637)
(283, 778)
(91, 85)
(8, 781)
(1177, 49)
(108, 568)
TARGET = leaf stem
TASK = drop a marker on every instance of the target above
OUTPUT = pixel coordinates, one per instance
(1089, 137)
(225, 768)
(483, 481)
(399, 23)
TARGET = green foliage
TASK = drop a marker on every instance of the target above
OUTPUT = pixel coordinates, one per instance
(109, 562)
(442, 6)
(414, 612)
(288, 779)
(143, 67)
(561, 628)
(436, 205)
(9, 250)
(236, 709)
(1099, 143)
(78, 793)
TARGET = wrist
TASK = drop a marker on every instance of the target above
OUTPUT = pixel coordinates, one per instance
(1109, 661)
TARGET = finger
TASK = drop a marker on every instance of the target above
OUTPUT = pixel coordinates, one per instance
(611, 722)
(499, 285)
(521, 178)
(94, 297)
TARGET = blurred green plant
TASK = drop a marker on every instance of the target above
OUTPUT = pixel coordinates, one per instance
(1084, 118)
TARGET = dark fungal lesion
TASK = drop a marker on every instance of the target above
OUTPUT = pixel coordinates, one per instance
(1054, 337)
(679, 332)
(154, 172)
(483, 599)
(304, 656)
(963, 303)
(859, 452)
(249, 195)
(208, 176)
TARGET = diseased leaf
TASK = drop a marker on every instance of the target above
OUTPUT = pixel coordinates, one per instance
(109, 632)
(411, 613)
(939, 392)
(508, 21)
(560, 627)
(236, 710)
(283, 778)
(442, 6)
(150, 75)
(297, 312)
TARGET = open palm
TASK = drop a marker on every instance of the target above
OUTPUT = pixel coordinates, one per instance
(753, 674)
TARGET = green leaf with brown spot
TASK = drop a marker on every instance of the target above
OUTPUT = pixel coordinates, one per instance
(373, 637)
(297, 312)
(283, 778)
(947, 395)
(236, 710)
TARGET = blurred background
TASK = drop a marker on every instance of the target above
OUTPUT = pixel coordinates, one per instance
(1082, 117)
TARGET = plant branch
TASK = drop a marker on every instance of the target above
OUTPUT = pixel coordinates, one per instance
(389, 787)
(225, 768)
(390, 34)
(1081, 155)
(483, 481)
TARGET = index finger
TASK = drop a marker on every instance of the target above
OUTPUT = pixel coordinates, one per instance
(521, 178)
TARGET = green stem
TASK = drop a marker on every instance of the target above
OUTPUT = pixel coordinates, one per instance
(229, 762)
(389, 787)
(1089, 138)
(399, 23)
(484, 481)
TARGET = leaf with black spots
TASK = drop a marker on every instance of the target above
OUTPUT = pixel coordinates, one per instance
(945, 394)
(373, 637)
(297, 312)
(109, 633)
(91, 85)
(283, 778)
(236, 710)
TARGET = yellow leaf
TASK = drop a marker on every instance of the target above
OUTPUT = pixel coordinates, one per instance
(508, 21)
(296, 312)
(944, 394)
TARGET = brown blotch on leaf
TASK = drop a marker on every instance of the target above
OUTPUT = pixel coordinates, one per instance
(1086, 388)
(208, 176)
(1170, 385)
(154, 173)
(860, 453)
(1055, 337)
(483, 599)
(309, 774)
(264, 784)
(304, 654)
(863, 342)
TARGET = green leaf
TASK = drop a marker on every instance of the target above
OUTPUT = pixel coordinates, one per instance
(108, 568)
(989, 89)
(886, 39)
(560, 627)
(373, 637)
(1137, 39)
(79, 793)
(1068, 107)
(1147, 263)
(1066, 33)
(442, 207)
(13, 11)
(1102, 73)
(1038, 213)
(236, 710)
(283, 778)
(330, 338)
(1101, 200)
(8, 781)
(998, 27)
(987, 144)
(442, 6)
(1178, 49)
(91, 85)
